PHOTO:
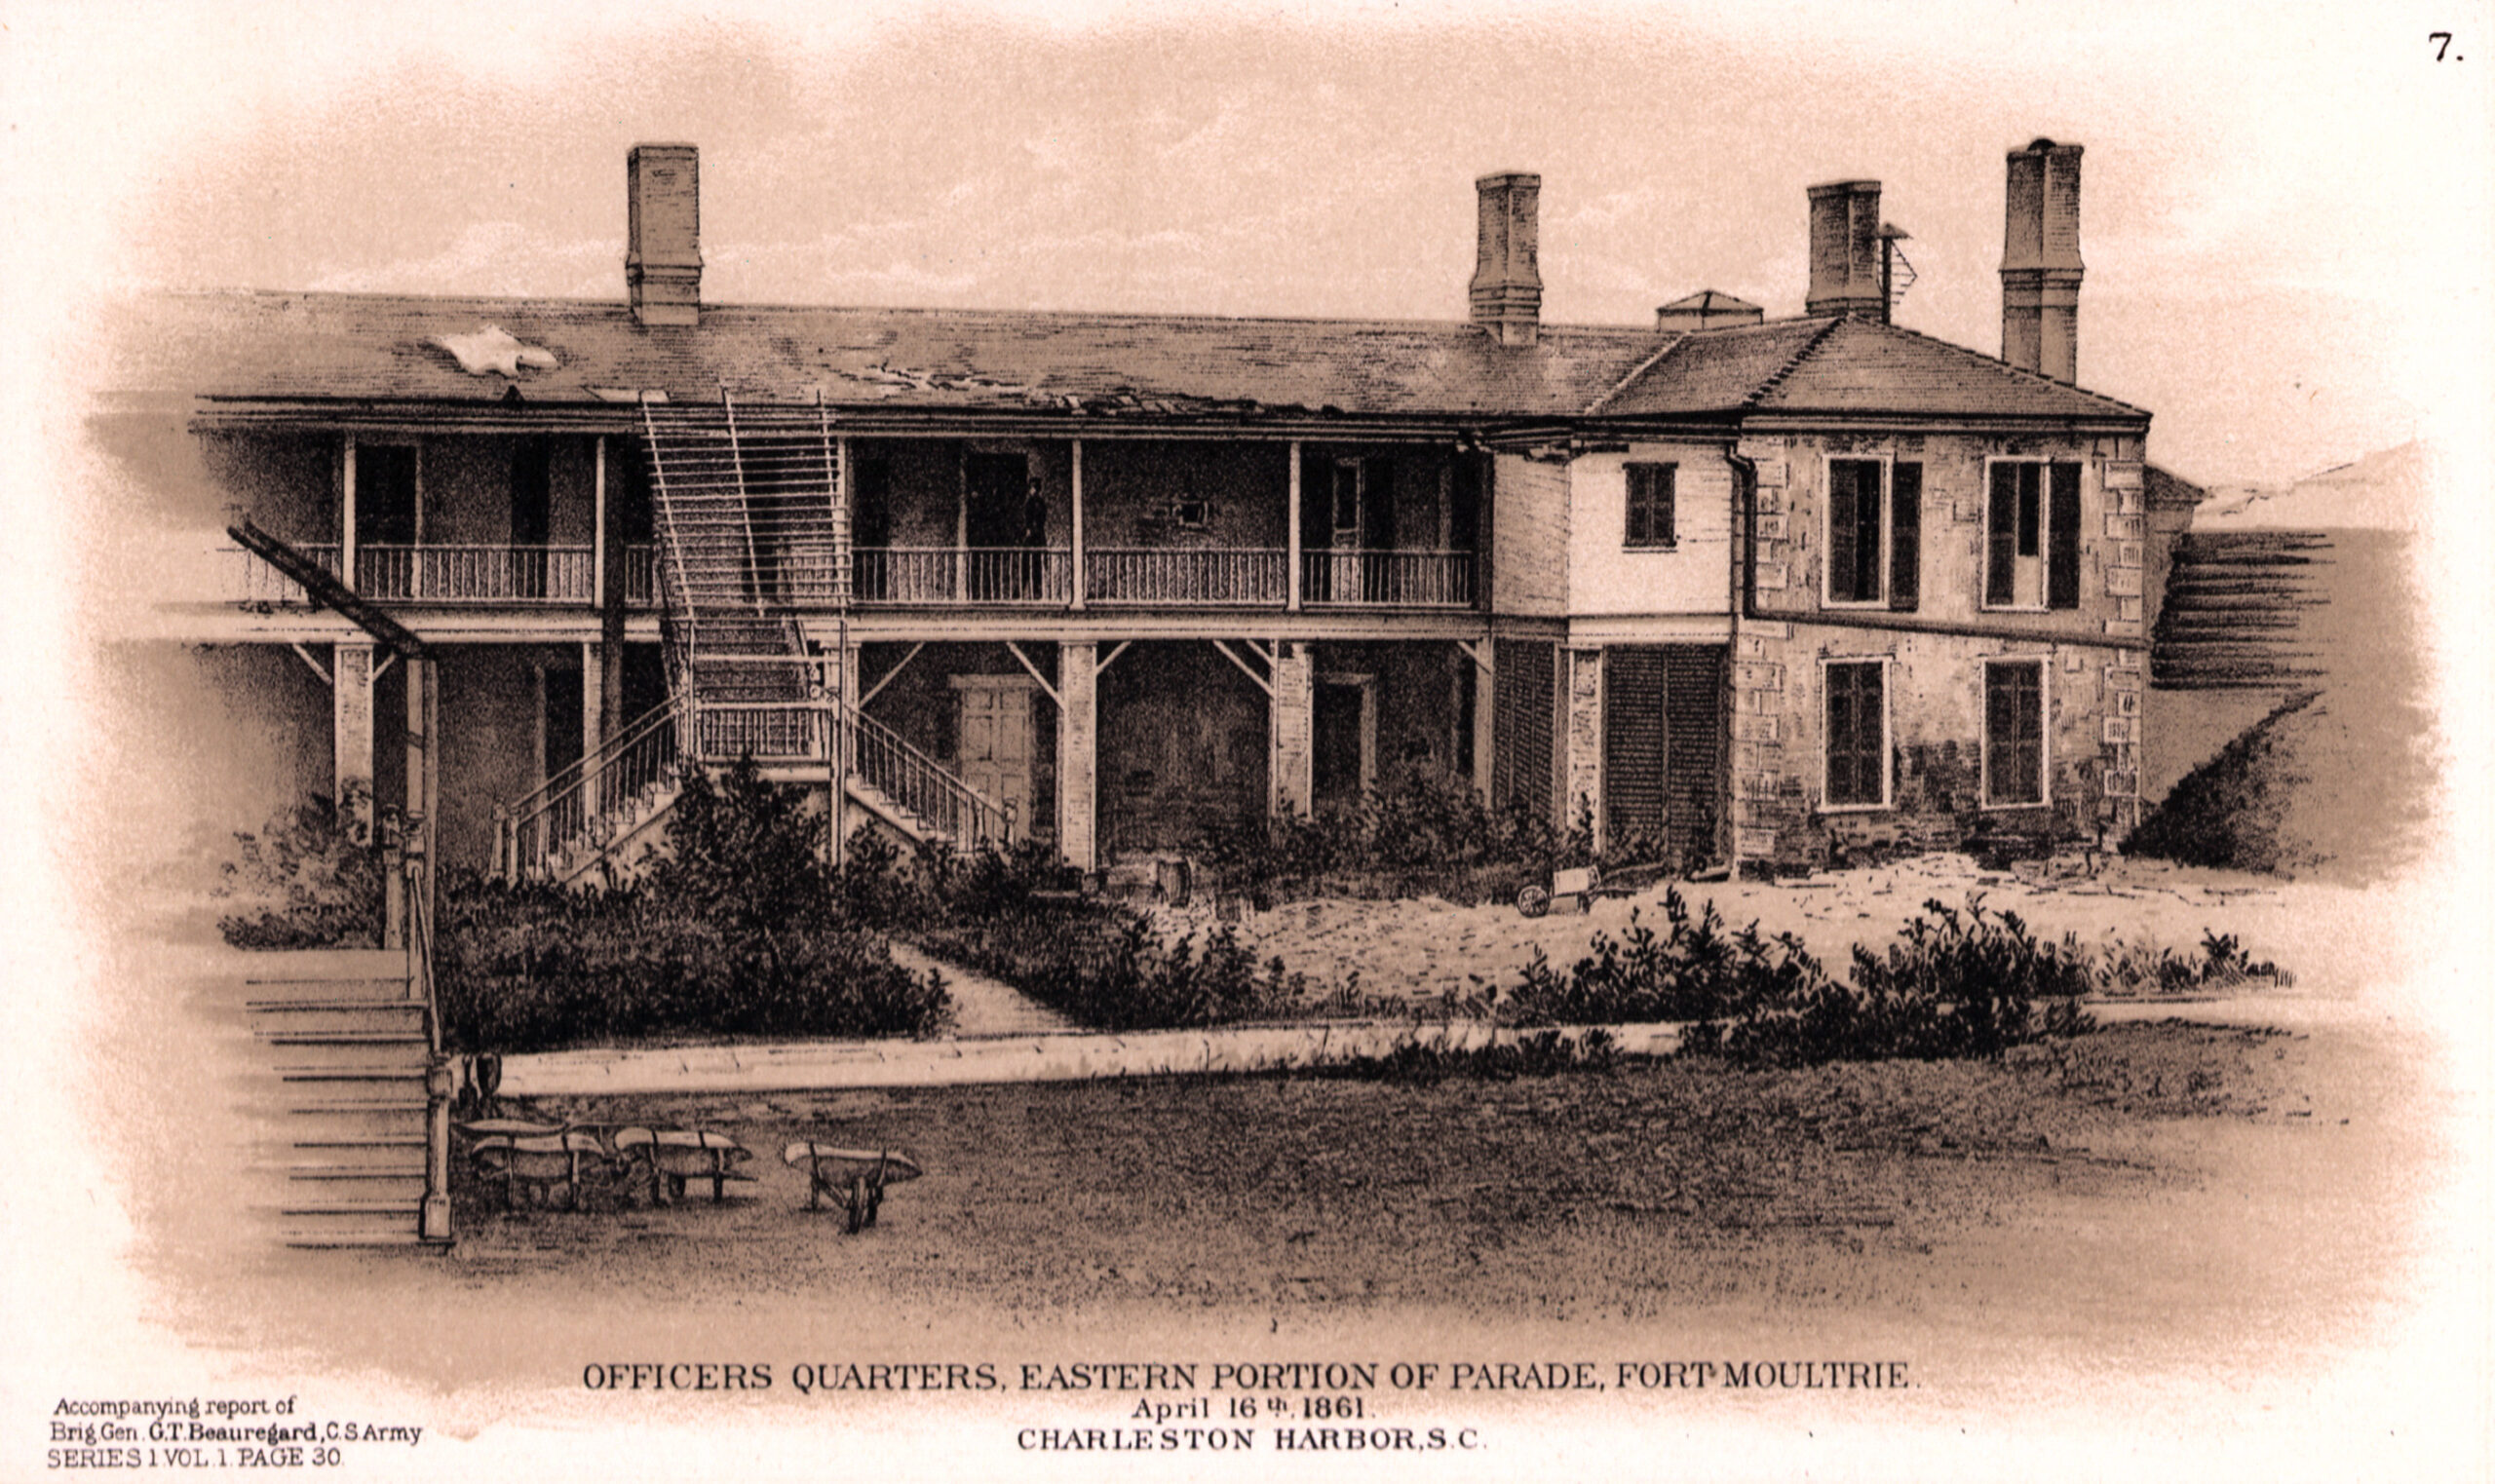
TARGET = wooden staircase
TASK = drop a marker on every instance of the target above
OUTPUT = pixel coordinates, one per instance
(349, 1055)
(753, 541)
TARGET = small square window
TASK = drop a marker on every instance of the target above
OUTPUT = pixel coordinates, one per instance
(1650, 505)
(1191, 514)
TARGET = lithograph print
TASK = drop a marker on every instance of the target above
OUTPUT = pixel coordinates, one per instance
(1066, 742)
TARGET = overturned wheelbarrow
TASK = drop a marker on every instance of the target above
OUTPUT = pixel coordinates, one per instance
(856, 1177)
(671, 1157)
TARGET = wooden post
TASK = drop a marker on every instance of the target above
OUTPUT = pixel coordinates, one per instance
(613, 585)
(1291, 554)
(1078, 741)
(1485, 719)
(1079, 594)
(351, 716)
(346, 513)
(1292, 712)
(394, 884)
(424, 793)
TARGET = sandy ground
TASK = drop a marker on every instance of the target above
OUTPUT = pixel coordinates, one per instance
(1422, 950)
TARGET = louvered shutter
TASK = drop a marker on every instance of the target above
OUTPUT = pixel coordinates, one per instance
(2062, 571)
(1905, 537)
(2001, 531)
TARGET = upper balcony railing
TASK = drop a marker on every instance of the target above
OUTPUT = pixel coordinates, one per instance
(1387, 579)
(908, 576)
(477, 574)
(448, 574)
(1197, 577)
(901, 577)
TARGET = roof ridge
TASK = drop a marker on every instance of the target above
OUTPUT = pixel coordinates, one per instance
(621, 306)
(1637, 371)
(1758, 394)
(2039, 377)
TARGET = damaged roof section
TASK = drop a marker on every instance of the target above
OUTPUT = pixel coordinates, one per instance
(494, 352)
(308, 347)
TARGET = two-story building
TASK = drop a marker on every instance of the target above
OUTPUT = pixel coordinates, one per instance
(1762, 592)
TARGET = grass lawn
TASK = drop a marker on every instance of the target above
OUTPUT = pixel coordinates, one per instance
(2098, 1180)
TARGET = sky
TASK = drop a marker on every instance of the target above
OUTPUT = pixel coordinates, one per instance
(2284, 214)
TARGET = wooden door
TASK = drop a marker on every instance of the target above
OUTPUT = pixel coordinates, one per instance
(995, 742)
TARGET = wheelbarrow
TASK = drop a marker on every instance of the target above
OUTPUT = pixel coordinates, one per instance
(857, 1177)
(1585, 884)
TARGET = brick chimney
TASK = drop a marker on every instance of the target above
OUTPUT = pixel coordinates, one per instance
(1507, 285)
(2040, 266)
(1845, 251)
(662, 234)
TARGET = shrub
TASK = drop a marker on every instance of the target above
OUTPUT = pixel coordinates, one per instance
(1103, 966)
(2122, 968)
(1955, 983)
(1692, 970)
(1423, 1063)
(741, 929)
(1424, 832)
(303, 882)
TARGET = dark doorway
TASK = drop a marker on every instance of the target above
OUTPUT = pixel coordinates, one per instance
(870, 528)
(532, 509)
(563, 717)
(997, 489)
(385, 516)
(1343, 735)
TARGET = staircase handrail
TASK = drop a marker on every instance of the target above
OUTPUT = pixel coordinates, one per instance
(985, 817)
(598, 761)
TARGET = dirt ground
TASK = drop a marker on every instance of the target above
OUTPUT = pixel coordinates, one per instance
(1423, 949)
(2152, 1194)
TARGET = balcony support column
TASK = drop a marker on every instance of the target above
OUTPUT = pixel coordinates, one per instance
(1581, 741)
(1290, 558)
(1485, 656)
(614, 584)
(1077, 526)
(346, 512)
(593, 699)
(1293, 774)
(351, 712)
(1078, 742)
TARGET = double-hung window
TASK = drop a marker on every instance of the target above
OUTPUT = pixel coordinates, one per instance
(2031, 535)
(1856, 741)
(1650, 505)
(2015, 732)
(1874, 533)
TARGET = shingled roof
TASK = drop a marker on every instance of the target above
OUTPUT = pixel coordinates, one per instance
(324, 347)
(319, 346)
(1846, 368)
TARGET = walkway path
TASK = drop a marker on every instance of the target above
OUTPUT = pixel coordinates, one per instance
(827, 1065)
(981, 1005)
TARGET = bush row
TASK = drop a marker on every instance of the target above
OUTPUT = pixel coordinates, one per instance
(1421, 834)
(1955, 983)
(738, 930)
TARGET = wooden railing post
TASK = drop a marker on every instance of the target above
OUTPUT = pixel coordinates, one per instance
(394, 882)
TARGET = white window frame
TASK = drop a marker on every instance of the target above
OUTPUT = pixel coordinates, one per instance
(1887, 460)
(1888, 735)
(2044, 732)
(2043, 532)
(1627, 500)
